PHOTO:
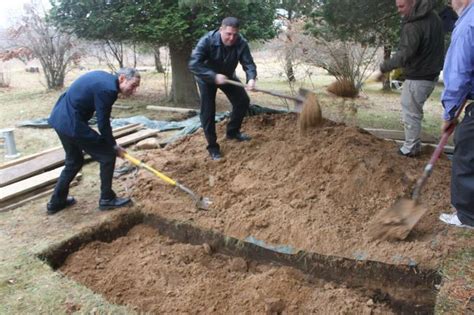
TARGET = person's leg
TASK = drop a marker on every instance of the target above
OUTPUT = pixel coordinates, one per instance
(208, 114)
(73, 163)
(104, 154)
(462, 179)
(240, 104)
(414, 95)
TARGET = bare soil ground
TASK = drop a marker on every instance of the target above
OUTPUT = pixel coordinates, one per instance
(152, 273)
(316, 192)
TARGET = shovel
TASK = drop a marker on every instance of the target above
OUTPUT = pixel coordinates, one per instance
(306, 104)
(396, 222)
(200, 202)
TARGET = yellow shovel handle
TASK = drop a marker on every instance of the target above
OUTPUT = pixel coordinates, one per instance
(139, 163)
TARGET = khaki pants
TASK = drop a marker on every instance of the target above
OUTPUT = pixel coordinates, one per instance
(414, 95)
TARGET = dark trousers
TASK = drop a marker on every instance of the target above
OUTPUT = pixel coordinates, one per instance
(462, 179)
(99, 151)
(240, 103)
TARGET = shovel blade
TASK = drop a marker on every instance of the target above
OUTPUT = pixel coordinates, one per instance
(203, 203)
(396, 222)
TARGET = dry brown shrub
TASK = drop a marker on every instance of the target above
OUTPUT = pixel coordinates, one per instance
(344, 88)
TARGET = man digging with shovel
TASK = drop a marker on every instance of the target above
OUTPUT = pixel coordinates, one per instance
(458, 86)
(95, 91)
(213, 61)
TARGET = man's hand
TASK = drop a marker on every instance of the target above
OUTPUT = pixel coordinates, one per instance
(220, 79)
(379, 76)
(250, 85)
(120, 151)
(447, 124)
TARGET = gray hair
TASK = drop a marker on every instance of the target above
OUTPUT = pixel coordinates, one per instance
(129, 73)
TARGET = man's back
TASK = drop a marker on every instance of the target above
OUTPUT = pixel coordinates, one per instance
(421, 47)
(95, 91)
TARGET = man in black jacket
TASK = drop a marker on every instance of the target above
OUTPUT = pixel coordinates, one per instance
(93, 92)
(420, 54)
(213, 61)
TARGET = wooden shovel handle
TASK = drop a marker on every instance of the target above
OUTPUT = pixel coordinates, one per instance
(236, 83)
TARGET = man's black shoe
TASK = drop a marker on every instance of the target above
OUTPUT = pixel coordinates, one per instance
(117, 202)
(215, 155)
(239, 137)
(53, 208)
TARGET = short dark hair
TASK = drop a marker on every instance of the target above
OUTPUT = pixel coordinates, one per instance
(231, 21)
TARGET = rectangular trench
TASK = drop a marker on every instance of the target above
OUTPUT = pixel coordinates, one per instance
(406, 289)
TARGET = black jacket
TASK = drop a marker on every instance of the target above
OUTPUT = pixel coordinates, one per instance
(95, 91)
(421, 48)
(211, 57)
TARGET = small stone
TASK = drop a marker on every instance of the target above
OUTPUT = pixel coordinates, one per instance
(147, 144)
(370, 302)
(274, 305)
(212, 181)
(238, 265)
(207, 248)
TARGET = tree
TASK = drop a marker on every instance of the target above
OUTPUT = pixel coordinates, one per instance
(289, 12)
(368, 22)
(54, 49)
(177, 24)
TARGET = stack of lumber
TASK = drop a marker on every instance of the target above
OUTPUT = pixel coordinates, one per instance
(34, 176)
(399, 136)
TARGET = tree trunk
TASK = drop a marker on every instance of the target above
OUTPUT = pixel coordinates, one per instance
(290, 74)
(158, 65)
(387, 51)
(183, 87)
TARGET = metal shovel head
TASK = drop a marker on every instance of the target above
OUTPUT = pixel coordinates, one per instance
(203, 203)
(396, 222)
(200, 202)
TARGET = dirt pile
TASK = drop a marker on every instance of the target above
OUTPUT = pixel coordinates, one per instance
(316, 192)
(152, 273)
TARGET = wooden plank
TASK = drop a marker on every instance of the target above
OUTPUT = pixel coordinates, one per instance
(33, 195)
(118, 132)
(448, 149)
(125, 130)
(171, 109)
(29, 168)
(398, 135)
(47, 160)
(27, 158)
(29, 184)
(118, 106)
(137, 136)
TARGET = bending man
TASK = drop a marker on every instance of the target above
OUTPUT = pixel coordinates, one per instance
(95, 91)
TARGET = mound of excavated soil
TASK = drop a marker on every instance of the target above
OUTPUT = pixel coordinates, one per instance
(151, 273)
(316, 192)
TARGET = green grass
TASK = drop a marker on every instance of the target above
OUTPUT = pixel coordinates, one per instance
(458, 277)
